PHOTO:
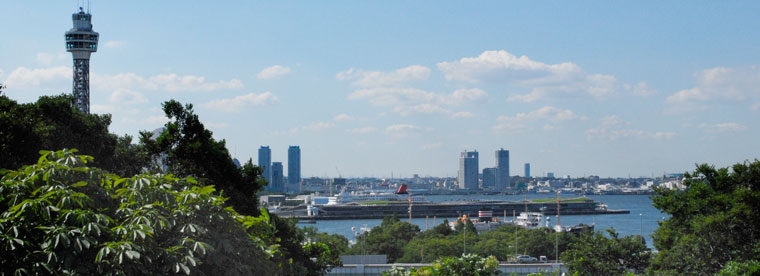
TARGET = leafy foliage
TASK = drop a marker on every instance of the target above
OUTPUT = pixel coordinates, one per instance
(595, 254)
(466, 265)
(191, 150)
(712, 222)
(60, 216)
(388, 238)
(52, 123)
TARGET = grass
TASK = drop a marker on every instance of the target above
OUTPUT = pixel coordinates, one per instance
(566, 200)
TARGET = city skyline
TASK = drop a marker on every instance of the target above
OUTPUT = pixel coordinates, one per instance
(374, 89)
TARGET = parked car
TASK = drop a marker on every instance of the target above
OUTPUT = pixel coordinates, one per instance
(526, 259)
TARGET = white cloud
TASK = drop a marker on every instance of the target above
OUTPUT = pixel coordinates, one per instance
(722, 127)
(544, 80)
(216, 125)
(721, 84)
(409, 101)
(431, 146)
(126, 96)
(240, 102)
(288, 132)
(343, 117)
(22, 77)
(401, 130)
(640, 89)
(48, 58)
(273, 72)
(165, 82)
(362, 130)
(317, 126)
(613, 128)
(523, 121)
(378, 79)
(114, 44)
(102, 108)
(461, 96)
(424, 108)
(462, 114)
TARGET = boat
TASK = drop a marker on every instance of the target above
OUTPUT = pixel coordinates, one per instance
(484, 222)
(401, 195)
(529, 220)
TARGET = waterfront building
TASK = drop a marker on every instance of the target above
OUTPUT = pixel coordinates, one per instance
(265, 162)
(294, 169)
(502, 164)
(81, 41)
(277, 183)
(527, 170)
(468, 170)
(489, 178)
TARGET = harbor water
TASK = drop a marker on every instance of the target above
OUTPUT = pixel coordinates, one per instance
(642, 219)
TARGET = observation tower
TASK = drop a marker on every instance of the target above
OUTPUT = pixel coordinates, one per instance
(81, 40)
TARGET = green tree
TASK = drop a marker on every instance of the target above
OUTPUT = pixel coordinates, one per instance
(389, 238)
(191, 150)
(751, 267)
(52, 123)
(61, 216)
(595, 254)
(712, 222)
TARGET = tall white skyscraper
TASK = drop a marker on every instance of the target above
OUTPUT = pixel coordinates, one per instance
(265, 161)
(502, 164)
(294, 169)
(468, 170)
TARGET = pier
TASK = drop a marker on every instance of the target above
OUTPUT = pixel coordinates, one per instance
(448, 209)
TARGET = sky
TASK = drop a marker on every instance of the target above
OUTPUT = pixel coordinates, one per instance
(381, 88)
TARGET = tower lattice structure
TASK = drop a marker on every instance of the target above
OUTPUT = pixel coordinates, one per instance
(81, 41)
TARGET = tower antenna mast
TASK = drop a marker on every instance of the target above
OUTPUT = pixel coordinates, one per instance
(81, 41)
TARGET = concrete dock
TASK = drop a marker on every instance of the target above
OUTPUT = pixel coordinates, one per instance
(447, 209)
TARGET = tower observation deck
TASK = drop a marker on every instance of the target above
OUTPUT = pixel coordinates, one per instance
(81, 40)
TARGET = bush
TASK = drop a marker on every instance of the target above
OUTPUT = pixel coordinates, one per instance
(61, 217)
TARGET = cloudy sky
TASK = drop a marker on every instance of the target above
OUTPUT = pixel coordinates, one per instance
(373, 88)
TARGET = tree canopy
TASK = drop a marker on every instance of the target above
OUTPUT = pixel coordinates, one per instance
(191, 150)
(713, 222)
(60, 216)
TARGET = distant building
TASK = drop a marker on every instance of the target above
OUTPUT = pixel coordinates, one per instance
(527, 170)
(468, 170)
(277, 183)
(502, 164)
(337, 184)
(265, 161)
(489, 178)
(294, 169)
(550, 175)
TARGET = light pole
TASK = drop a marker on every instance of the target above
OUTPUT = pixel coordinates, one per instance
(641, 225)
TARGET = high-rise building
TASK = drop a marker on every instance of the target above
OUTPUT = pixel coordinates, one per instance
(489, 178)
(277, 177)
(294, 169)
(265, 161)
(81, 41)
(502, 164)
(468, 170)
(527, 170)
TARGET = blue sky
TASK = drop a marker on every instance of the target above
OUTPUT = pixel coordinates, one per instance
(609, 88)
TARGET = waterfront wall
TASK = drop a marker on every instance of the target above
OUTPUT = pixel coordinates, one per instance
(454, 209)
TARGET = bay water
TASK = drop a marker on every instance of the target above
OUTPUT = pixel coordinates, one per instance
(642, 220)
